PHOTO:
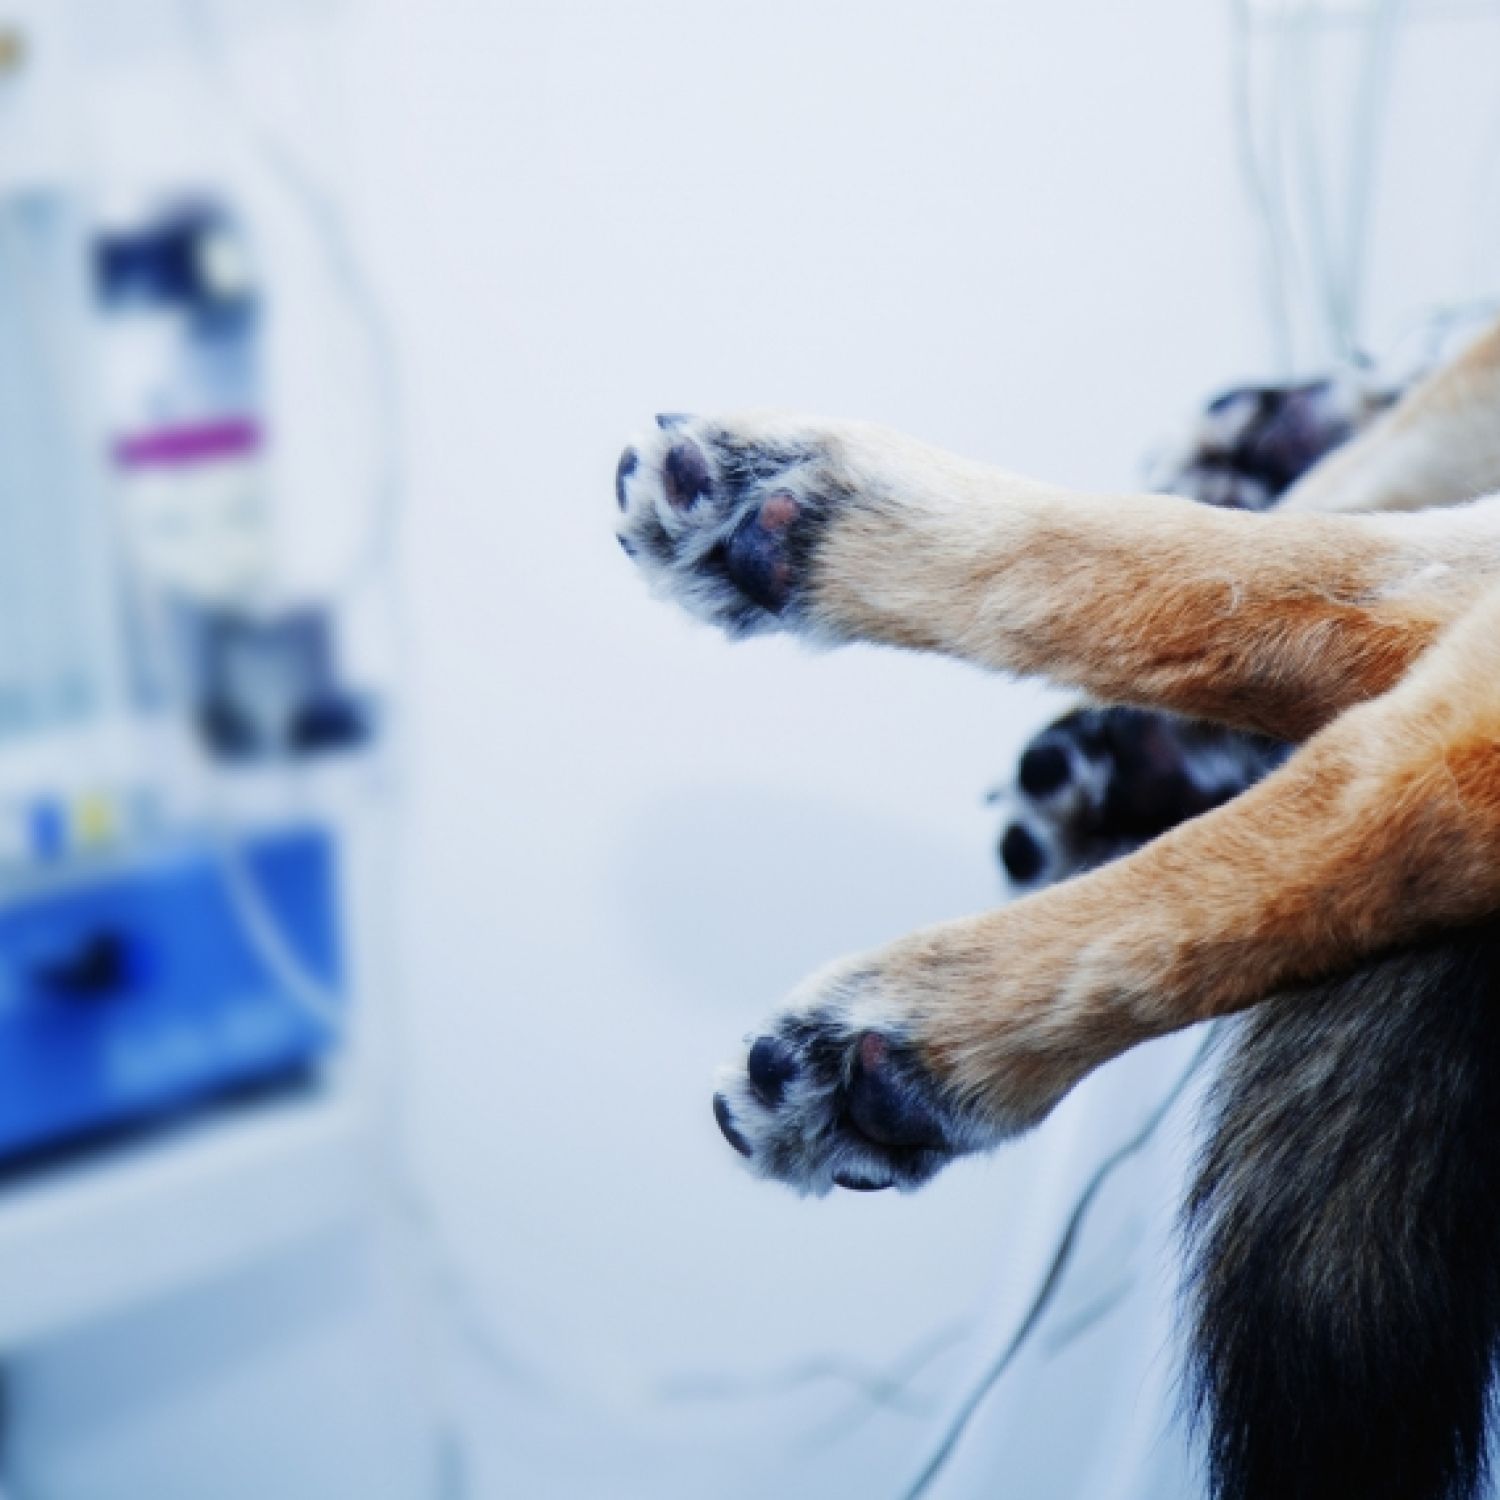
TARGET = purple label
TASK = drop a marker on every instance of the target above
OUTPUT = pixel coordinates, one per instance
(171, 447)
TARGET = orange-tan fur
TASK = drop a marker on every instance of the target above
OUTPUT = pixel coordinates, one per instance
(1385, 825)
(1380, 637)
(1438, 446)
(1268, 622)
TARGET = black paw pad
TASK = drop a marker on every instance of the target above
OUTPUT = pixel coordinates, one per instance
(756, 556)
(1100, 782)
(771, 1067)
(821, 1102)
(1022, 854)
(1045, 768)
(887, 1100)
(686, 475)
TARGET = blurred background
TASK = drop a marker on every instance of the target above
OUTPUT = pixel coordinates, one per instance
(382, 875)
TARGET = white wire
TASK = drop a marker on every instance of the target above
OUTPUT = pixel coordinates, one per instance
(1312, 241)
(372, 562)
(1052, 1277)
(322, 213)
(1271, 248)
(1303, 168)
(1373, 94)
(322, 1002)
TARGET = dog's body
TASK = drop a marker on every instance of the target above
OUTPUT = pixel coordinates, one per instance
(1345, 1228)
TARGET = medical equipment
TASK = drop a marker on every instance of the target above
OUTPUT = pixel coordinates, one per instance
(149, 670)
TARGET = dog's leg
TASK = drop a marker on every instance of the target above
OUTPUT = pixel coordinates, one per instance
(842, 531)
(1100, 781)
(1383, 827)
(1439, 445)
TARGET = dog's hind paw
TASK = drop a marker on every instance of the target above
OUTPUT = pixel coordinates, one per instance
(1100, 782)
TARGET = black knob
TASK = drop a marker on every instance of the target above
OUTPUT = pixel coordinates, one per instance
(97, 965)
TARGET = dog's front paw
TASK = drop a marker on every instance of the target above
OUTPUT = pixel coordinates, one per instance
(725, 518)
(833, 1092)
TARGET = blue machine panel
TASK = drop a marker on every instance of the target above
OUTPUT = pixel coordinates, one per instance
(138, 993)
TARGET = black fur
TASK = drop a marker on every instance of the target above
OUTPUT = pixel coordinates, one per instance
(1344, 1236)
(1344, 1227)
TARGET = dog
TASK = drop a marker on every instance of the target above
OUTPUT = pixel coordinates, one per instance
(1343, 1228)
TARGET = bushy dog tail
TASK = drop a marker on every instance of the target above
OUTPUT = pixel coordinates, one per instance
(1344, 1235)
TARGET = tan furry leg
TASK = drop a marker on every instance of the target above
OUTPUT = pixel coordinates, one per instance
(843, 531)
(1437, 446)
(1383, 828)
(1268, 622)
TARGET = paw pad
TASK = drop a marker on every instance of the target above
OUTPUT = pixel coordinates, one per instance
(757, 557)
(686, 475)
(821, 1102)
(722, 521)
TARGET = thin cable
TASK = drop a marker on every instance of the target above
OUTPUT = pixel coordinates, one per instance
(1273, 271)
(1333, 249)
(1052, 1279)
(321, 212)
(1373, 91)
(300, 981)
(887, 1388)
(1296, 95)
(1484, 253)
(1298, 249)
(370, 563)
(321, 1002)
(318, 999)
